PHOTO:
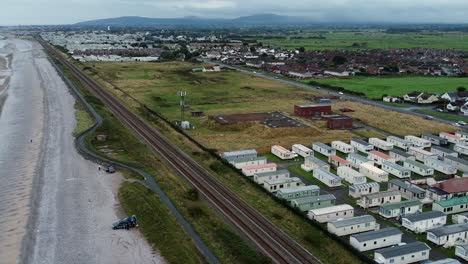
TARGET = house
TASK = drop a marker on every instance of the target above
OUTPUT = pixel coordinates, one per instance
(454, 187)
(391, 99)
(440, 166)
(455, 106)
(336, 161)
(420, 98)
(396, 170)
(233, 155)
(380, 157)
(451, 206)
(358, 190)
(418, 168)
(312, 163)
(242, 162)
(421, 154)
(441, 152)
(399, 155)
(443, 261)
(408, 253)
(461, 164)
(354, 225)
(213, 68)
(448, 235)
(342, 147)
(420, 223)
(361, 145)
(356, 160)
(380, 144)
(289, 194)
(276, 185)
(460, 218)
(451, 138)
(253, 169)
(260, 178)
(312, 110)
(399, 142)
(323, 149)
(340, 122)
(382, 238)
(373, 172)
(282, 153)
(378, 199)
(326, 177)
(436, 140)
(408, 207)
(462, 149)
(302, 150)
(455, 96)
(418, 142)
(351, 175)
(327, 214)
(314, 202)
(462, 134)
(461, 251)
(407, 189)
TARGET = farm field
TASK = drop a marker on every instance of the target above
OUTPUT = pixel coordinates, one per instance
(376, 87)
(372, 39)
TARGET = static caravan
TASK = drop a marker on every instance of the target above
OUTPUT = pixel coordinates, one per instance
(314, 202)
(462, 149)
(276, 185)
(396, 170)
(421, 154)
(451, 206)
(435, 140)
(328, 178)
(378, 199)
(357, 224)
(373, 173)
(418, 142)
(380, 144)
(441, 152)
(302, 150)
(325, 215)
(312, 163)
(382, 238)
(342, 147)
(351, 175)
(336, 161)
(407, 190)
(251, 170)
(260, 178)
(461, 164)
(380, 157)
(242, 162)
(399, 155)
(299, 192)
(356, 160)
(460, 218)
(399, 142)
(358, 190)
(461, 251)
(408, 207)
(408, 253)
(418, 168)
(420, 223)
(441, 166)
(361, 145)
(451, 138)
(448, 235)
(323, 149)
(462, 134)
(239, 154)
(282, 153)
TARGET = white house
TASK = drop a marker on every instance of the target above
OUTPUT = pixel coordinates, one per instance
(379, 157)
(302, 150)
(460, 218)
(260, 178)
(282, 153)
(462, 134)
(354, 225)
(421, 154)
(399, 142)
(323, 149)
(361, 145)
(337, 161)
(242, 162)
(358, 190)
(418, 142)
(373, 173)
(396, 170)
(380, 144)
(442, 152)
(399, 155)
(451, 137)
(435, 140)
(299, 192)
(441, 166)
(342, 147)
(450, 235)
(451, 206)
(328, 178)
(378, 199)
(356, 160)
(462, 149)
(408, 207)
(408, 253)
(325, 215)
(382, 238)
(420, 223)
(351, 175)
(251, 170)
(407, 190)
(461, 251)
(461, 164)
(418, 168)
(312, 163)
(238, 154)
(276, 185)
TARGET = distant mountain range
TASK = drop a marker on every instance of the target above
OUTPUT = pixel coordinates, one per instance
(253, 20)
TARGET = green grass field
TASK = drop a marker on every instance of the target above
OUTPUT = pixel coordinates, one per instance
(451, 117)
(376, 87)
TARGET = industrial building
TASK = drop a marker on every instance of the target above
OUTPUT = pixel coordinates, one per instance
(382, 238)
(420, 223)
(340, 122)
(312, 110)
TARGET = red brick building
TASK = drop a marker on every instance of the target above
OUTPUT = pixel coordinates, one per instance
(312, 110)
(342, 122)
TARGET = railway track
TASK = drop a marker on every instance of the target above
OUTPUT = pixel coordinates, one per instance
(271, 241)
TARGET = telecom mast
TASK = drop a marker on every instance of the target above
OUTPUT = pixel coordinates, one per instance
(182, 95)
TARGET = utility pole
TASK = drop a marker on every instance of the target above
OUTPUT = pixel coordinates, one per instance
(182, 95)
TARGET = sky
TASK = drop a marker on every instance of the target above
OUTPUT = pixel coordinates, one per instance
(28, 12)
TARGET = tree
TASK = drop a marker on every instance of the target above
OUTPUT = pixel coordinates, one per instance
(338, 60)
(253, 49)
(301, 49)
(461, 89)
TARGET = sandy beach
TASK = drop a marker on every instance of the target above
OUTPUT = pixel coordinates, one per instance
(56, 206)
